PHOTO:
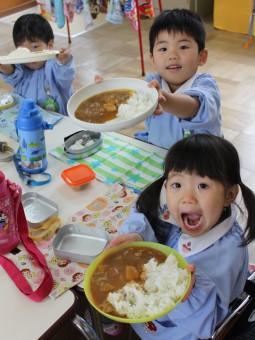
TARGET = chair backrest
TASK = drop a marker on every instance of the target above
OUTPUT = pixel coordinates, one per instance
(237, 309)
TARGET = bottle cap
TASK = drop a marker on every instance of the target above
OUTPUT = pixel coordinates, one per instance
(29, 116)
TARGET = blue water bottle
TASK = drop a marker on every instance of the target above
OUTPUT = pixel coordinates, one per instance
(30, 128)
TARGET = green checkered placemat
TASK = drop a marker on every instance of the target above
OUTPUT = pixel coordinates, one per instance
(119, 161)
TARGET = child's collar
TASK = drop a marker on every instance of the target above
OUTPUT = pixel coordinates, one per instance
(186, 86)
(188, 245)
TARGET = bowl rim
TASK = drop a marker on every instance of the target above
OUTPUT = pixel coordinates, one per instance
(158, 246)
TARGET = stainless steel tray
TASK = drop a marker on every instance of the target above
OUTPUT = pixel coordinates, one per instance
(79, 243)
(38, 209)
(87, 150)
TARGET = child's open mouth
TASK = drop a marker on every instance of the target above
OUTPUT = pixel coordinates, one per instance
(192, 221)
(173, 67)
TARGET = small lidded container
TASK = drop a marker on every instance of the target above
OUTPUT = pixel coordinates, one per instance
(6, 101)
(78, 176)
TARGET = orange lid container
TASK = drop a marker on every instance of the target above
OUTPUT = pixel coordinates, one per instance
(78, 175)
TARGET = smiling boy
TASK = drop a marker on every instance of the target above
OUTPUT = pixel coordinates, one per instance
(49, 83)
(189, 103)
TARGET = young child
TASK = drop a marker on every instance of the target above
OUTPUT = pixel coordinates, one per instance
(49, 83)
(189, 102)
(192, 209)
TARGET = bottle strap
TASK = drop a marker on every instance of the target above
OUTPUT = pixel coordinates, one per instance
(6, 152)
(46, 285)
(26, 177)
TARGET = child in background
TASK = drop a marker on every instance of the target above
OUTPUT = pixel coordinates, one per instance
(49, 83)
(192, 209)
(189, 103)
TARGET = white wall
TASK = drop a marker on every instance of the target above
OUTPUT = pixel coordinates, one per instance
(170, 4)
(203, 7)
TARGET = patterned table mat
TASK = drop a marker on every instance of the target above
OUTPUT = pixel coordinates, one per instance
(119, 161)
(107, 211)
(8, 116)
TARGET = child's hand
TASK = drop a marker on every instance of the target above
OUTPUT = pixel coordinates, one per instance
(161, 98)
(6, 69)
(125, 238)
(191, 268)
(98, 79)
(64, 56)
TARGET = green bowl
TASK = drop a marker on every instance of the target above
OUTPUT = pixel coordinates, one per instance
(93, 266)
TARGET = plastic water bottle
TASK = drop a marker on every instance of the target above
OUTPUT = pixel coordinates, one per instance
(30, 128)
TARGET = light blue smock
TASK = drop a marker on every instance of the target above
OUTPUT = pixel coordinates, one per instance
(166, 129)
(32, 84)
(221, 272)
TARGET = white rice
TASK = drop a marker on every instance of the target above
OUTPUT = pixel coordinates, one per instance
(136, 105)
(164, 285)
(20, 51)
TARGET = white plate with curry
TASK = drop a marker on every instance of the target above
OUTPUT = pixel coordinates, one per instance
(112, 105)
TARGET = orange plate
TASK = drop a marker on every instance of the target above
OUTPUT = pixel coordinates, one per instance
(78, 175)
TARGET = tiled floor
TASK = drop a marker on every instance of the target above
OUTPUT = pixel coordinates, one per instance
(113, 51)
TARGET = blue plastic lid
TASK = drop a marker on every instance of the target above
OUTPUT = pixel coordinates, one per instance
(29, 116)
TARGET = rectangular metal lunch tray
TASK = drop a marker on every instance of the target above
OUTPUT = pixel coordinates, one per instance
(38, 209)
(79, 243)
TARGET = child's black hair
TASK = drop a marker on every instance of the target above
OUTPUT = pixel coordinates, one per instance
(178, 20)
(206, 155)
(31, 27)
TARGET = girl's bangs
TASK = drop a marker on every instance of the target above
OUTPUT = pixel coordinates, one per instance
(195, 159)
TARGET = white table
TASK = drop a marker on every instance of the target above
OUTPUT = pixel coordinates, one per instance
(68, 200)
(24, 319)
(20, 317)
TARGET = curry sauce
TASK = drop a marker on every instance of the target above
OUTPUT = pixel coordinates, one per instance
(102, 107)
(118, 269)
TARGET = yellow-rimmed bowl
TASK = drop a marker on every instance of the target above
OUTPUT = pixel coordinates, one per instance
(182, 263)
